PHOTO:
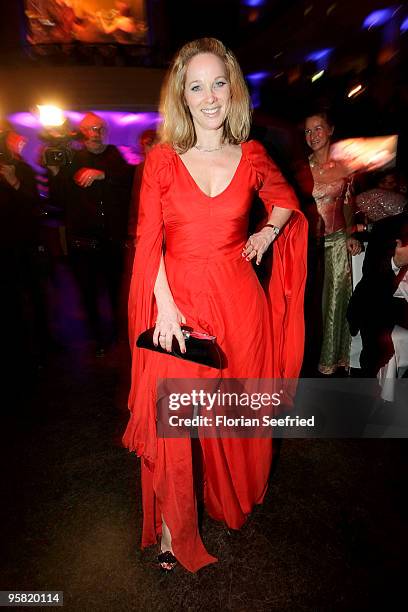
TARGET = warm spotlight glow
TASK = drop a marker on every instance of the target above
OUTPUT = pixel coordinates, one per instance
(331, 8)
(50, 116)
(356, 90)
(317, 76)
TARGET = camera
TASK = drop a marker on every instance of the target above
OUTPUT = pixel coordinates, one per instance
(59, 155)
(58, 150)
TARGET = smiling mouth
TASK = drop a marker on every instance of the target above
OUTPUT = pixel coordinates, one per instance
(210, 111)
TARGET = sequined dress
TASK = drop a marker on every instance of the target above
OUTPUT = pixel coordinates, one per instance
(379, 203)
(333, 204)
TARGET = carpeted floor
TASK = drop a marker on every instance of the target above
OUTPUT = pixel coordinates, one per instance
(331, 535)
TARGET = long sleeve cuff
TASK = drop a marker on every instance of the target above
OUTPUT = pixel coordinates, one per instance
(394, 267)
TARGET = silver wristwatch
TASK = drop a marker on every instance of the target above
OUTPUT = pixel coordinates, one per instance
(275, 228)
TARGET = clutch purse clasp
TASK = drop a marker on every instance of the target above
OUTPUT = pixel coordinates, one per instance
(198, 335)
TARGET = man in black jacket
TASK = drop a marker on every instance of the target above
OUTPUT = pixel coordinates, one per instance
(380, 300)
(23, 312)
(94, 191)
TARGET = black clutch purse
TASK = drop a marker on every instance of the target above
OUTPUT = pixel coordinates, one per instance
(200, 348)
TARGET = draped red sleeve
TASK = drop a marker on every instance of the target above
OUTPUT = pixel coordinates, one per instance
(149, 242)
(285, 284)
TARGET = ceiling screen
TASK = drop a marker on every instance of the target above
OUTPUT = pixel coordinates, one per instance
(86, 21)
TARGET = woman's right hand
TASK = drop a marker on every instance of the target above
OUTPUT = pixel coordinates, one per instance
(168, 324)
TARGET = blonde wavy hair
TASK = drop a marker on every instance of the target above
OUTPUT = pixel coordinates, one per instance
(177, 128)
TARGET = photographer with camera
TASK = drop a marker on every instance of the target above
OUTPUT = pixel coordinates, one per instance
(94, 191)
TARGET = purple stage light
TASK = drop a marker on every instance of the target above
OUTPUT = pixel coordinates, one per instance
(320, 57)
(377, 18)
(74, 116)
(253, 3)
(130, 118)
(404, 25)
(317, 56)
(26, 120)
(124, 130)
(256, 77)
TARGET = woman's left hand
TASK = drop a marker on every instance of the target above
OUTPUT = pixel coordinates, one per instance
(258, 244)
(353, 246)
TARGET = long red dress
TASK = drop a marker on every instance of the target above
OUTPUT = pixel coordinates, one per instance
(260, 331)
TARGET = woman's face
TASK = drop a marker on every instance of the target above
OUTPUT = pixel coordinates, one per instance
(207, 91)
(317, 132)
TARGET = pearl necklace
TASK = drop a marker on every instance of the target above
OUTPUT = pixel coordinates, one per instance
(202, 150)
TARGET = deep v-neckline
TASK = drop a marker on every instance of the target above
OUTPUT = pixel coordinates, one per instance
(198, 188)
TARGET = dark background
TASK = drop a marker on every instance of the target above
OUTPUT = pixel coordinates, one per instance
(275, 36)
(332, 533)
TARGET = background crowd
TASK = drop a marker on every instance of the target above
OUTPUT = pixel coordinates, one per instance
(97, 212)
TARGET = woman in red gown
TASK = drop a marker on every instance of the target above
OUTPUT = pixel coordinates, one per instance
(197, 190)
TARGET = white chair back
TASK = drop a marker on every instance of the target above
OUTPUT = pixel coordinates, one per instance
(356, 276)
